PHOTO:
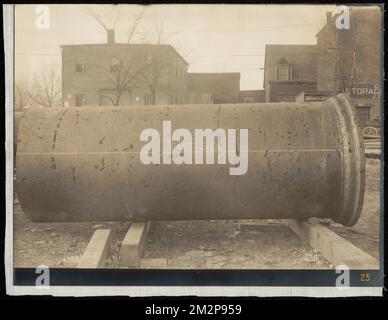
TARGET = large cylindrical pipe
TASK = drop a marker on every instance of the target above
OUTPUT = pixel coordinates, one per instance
(83, 164)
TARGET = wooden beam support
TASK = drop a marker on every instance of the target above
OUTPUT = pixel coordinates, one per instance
(97, 250)
(132, 245)
(333, 247)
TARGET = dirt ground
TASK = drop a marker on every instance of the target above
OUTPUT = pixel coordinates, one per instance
(228, 245)
(197, 244)
(365, 234)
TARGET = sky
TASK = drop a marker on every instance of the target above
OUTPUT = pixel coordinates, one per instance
(212, 38)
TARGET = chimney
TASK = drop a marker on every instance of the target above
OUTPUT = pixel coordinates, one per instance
(111, 36)
(328, 16)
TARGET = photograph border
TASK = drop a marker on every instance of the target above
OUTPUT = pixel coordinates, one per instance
(168, 282)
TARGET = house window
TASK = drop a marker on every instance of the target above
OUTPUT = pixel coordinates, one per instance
(80, 64)
(363, 113)
(80, 100)
(284, 72)
(114, 64)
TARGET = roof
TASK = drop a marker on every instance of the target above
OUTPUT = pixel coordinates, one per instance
(316, 92)
(215, 74)
(258, 91)
(292, 81)
(257, 94)
(329, 19)
(302, 58)
(250, 93)
(138, 45)
(283, 61)
(222, 84)
(286, 49)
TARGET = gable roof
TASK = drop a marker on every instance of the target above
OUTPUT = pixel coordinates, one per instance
(283, 61)
(303, 59)
(139, 46)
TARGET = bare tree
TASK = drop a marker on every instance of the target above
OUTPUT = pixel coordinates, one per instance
(156, 63)
(345, 69)
(122, 75)
(47, 88)
(130, 69)
(341, 59)
(103, 20)
(134, 26)
(23, 95)
(160, 37)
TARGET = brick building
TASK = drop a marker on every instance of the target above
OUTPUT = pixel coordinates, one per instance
(215, 87)
(289, 70)
(350, 60)
(122, 74)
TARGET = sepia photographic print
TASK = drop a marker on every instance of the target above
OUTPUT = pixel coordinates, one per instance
(206, 150)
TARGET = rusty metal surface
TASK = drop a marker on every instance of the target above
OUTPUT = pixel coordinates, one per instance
(82, 164)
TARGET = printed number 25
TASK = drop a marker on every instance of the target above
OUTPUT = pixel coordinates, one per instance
(365, 277)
